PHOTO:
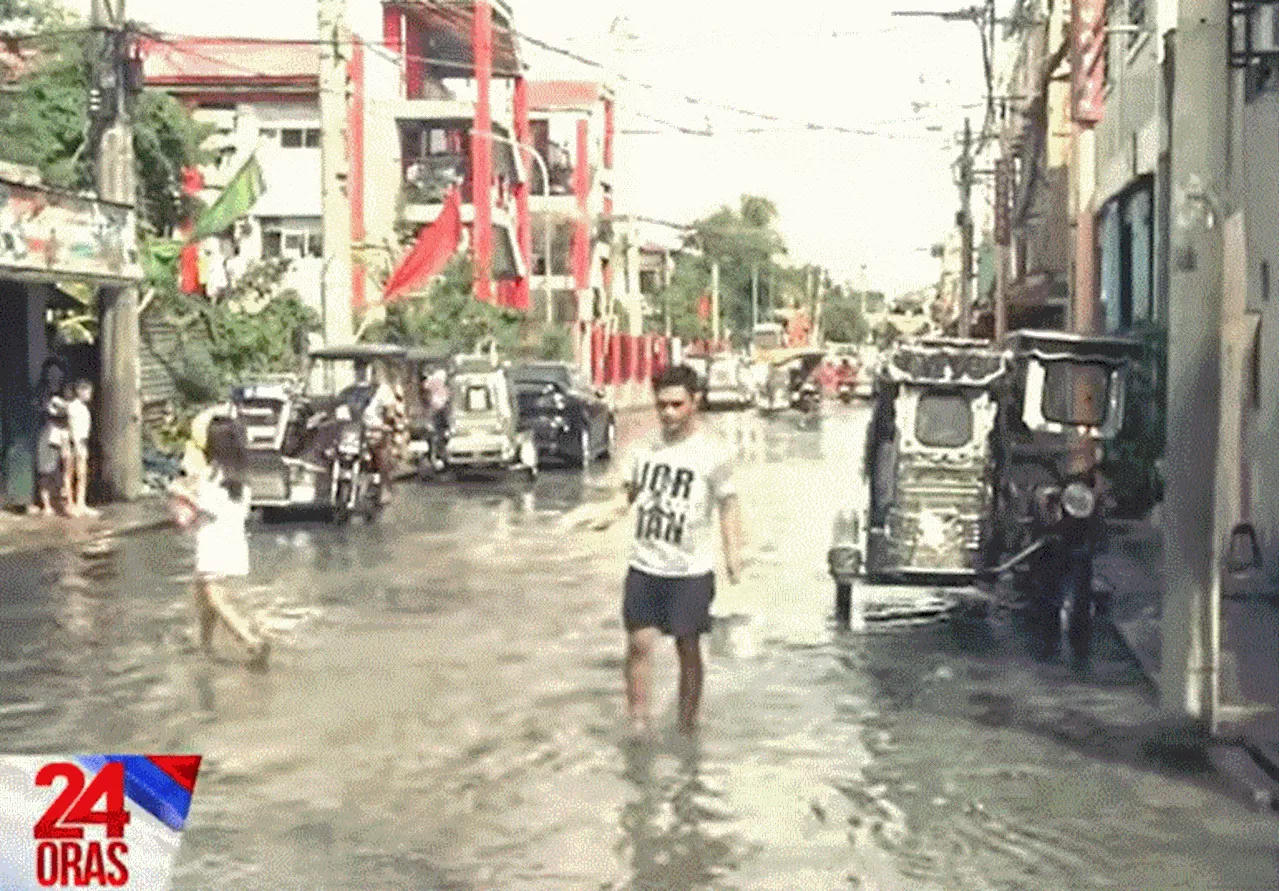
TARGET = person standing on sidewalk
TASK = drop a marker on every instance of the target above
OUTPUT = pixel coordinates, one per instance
(218, 510)
(674, 482)
(80, 423)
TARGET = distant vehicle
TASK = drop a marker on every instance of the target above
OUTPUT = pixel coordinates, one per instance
(700, 365)
(484, 429)
(768, 336)
(569, 418)
(729, 383)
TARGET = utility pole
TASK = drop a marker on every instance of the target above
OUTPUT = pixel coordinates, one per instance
(335, 209)
(715, 301)
(111, 138)
(1192, 543)
(1004, 182)
(755, 297)
(964, 219)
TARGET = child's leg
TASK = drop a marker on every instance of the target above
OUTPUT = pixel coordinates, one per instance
(205, 612)
(238, 624)
(82, 479)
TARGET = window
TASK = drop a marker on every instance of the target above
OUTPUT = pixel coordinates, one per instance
(943, 420)
(1137, 15)
(293, 237)
(298, 137)
(1075, 393)
(269, 133)
(478, 398)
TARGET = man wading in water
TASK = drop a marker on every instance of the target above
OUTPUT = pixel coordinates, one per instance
(673, 481)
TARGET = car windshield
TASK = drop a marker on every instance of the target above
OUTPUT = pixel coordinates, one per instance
(724, 373)
(1075, 392)
(943, 420)
(531, 375)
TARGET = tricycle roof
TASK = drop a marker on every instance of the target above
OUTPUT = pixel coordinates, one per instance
(359, 352)
(958, 365)
(1049, 345)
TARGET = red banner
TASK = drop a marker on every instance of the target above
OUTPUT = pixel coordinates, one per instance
(1088, 60)
(432, 249)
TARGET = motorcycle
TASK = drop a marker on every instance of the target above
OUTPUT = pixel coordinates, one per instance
(808, 398)
(355, 485)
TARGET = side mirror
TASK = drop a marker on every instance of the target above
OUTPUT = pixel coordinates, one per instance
(1243, 553)
(600, 393)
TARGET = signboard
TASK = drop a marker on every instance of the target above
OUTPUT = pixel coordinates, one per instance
(1004, 177)
(55, 235)
(1088, 60)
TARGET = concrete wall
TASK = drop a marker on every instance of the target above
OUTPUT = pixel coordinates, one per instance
(1255, 190)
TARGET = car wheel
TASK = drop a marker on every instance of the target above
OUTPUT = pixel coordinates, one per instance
(584, 446)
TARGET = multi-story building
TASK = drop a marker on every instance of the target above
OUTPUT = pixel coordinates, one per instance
(260, 98)
(571, 124)
(451, 115)
(1035, 134)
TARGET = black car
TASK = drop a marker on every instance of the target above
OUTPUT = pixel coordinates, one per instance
(569, 417)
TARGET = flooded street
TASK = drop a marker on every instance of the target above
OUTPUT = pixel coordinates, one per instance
(444, 710)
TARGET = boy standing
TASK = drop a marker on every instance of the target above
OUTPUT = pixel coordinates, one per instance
(79, 425)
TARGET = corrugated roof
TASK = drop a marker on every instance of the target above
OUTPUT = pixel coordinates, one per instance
(182, 61)
(549, 94)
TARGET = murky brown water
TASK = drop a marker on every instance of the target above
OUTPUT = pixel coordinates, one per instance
(444, 712)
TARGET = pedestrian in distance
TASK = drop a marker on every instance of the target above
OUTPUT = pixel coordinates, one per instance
(217, 510)
(674, 483)
(79, 425)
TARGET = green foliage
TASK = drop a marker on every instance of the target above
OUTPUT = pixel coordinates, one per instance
(556, 345)
(450, 314)
(842, 318)
(255, 328)
(44, 119)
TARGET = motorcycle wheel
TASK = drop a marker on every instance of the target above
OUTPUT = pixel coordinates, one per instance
(844, 603)
(341, 512)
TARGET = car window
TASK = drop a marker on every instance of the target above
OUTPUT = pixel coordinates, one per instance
(1075, 393)
(943, 420)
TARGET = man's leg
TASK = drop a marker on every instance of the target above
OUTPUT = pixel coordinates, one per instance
(639, 669)
(689, 649)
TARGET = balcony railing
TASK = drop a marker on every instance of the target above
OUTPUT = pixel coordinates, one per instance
(427, 179)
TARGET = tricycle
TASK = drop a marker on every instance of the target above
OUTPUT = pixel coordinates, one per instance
(484, 427)
(982, 467)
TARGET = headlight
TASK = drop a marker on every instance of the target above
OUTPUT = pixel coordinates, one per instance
(1078, 500)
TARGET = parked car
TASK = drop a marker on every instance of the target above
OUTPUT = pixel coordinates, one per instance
(569, 418)
(700, 366)
(729, 383)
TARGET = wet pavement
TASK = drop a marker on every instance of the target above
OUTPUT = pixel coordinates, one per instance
(444, 711)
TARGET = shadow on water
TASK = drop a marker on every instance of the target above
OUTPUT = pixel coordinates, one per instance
(666, 823)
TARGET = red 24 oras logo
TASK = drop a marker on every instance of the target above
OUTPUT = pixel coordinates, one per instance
(64, 859)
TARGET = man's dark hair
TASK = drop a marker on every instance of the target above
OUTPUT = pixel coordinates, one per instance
(227, 446)
(677, 376)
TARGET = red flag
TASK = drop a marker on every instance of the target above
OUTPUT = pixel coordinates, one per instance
(704, 307)
(432, 249)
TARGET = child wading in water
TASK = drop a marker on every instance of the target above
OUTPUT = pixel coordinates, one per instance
(217, 510)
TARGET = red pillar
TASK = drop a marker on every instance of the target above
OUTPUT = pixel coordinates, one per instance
(393, 32)
(524, 231)
(482, 153)
(597, 354)
(581, 235)
(414, 51)
(615, 359)
(355, 160)
(608, 134)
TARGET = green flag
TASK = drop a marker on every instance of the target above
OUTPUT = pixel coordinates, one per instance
(234, 202)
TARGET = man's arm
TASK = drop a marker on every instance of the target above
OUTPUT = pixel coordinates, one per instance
(600, 515)
(731, 536)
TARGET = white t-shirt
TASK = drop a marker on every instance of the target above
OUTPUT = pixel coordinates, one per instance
(678, 487)
(79, 421)
(222, 544)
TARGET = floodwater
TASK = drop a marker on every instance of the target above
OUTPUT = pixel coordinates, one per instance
(444, 711)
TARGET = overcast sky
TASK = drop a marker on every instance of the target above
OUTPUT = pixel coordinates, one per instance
(845, 200)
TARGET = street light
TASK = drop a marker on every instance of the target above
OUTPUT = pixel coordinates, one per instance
(546, 191)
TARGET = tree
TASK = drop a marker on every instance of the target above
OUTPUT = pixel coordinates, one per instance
(842, 319)
(44, 117)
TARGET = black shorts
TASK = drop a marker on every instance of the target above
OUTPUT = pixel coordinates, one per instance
(676, 605)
